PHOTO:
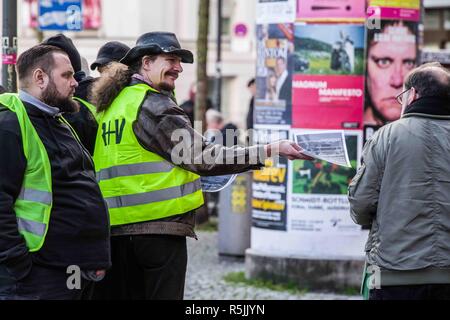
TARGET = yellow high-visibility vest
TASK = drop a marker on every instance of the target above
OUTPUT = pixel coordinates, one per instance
(138, 185)
(34, 204)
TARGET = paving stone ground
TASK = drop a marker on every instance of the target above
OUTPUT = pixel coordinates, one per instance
(204, 278)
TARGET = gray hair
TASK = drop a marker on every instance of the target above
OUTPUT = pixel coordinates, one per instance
(430, 80)
(213, 116)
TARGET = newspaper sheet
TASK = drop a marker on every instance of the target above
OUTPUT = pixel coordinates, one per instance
(325, 145)
(217, 183)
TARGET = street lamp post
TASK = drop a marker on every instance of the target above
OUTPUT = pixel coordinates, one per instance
(218, 83)
(9, 45)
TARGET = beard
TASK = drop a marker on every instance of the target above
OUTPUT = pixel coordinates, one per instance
(53, 98)
(164, 86)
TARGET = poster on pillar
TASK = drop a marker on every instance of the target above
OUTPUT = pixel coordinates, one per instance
(92, 14)
(328, 81)
(275, 11)
(274, 74)
(394, 9)
(392, 52)
(331, 10)
(318, 193)
(269, 188)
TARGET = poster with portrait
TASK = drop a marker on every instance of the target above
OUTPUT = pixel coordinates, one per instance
(318, 193)
(331, 10)
(394, 9)
(328, 81)
(275, 11)
(392, 52)
(269, 188)
(274, 74)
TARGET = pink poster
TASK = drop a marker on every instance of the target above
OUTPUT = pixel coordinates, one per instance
(330, 10)
(328, 101)
(92, 14)
(394, 9)
(33, 10)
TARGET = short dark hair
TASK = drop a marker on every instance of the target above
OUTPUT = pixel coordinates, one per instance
(136, 65)
(429, 82)
(371, 32)
(39, 56)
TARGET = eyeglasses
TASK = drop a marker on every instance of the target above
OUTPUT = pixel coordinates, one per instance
(400, 96)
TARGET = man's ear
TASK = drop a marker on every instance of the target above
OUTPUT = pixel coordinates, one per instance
(413, 95)
(40, 78)
(146, 63)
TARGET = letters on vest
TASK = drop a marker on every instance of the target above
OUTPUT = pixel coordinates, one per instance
(116, 131)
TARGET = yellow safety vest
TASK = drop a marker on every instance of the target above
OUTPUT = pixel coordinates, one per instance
(89, 106)
(34, 204)
(138, 185)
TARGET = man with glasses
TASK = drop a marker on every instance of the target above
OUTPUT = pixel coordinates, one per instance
(401, 190)
(400, 96)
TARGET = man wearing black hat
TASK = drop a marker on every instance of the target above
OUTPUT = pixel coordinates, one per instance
(152, 195)
(83, 122)
(109, 52)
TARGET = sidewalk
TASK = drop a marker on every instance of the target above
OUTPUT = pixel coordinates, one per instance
(204, 278)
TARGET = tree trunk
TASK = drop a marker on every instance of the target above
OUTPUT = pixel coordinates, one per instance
(202, 57)
(201, 96)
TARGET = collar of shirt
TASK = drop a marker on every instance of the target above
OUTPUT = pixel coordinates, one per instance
(26, 97)
(281, 80)
(141, 78)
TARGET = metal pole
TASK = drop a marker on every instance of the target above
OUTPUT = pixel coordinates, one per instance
(9, 45)
(218, 89)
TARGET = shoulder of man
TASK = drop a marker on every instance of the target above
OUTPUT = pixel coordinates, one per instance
(158, 104)
(8, 121)
(383, 133)
(382, 140)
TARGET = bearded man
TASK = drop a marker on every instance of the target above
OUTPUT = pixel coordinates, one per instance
(148, 167)
(54, 228)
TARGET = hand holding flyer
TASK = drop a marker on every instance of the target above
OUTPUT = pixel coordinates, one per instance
(325, 145)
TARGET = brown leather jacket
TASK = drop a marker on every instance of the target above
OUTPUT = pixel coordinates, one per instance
(159, 116)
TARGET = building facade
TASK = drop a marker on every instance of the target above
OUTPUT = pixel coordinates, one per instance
(125, 21)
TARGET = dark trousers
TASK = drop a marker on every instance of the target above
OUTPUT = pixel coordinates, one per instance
(44, 283)
(145, 267)
(413, 292)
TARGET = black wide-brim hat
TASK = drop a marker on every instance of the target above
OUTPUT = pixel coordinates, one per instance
(153, 43)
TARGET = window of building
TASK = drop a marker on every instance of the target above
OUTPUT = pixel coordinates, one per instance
(432, 20)
(447, 19)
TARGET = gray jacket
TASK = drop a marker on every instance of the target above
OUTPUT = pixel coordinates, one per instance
(402, 190)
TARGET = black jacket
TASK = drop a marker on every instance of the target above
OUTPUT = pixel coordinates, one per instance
(83, 122)
(78, 231)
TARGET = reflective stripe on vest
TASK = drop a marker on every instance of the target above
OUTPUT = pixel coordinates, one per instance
(138, 185)
(34, 203)
(31, 227)
(133, 170)
(153, 196)
(35, 196)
